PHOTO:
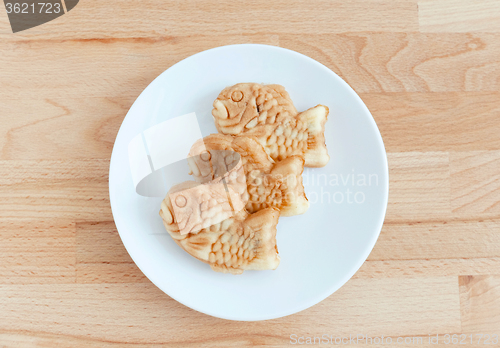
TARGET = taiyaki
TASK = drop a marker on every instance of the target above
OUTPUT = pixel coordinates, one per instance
(267, 113)
(240, 242)
(247, 170)
(214, 203)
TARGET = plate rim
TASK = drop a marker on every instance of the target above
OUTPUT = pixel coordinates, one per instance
(342, 281)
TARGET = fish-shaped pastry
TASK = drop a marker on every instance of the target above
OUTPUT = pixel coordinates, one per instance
(214, 203)
(247, 170)
(267, 113)
(233, 244)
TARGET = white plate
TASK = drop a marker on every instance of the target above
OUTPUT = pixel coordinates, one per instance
(320, 250)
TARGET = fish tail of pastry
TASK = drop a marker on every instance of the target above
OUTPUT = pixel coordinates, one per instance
(259, 247)
(315, 119)
(294, 201)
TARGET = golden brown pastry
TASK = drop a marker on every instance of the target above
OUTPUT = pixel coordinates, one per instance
(197, 206)
(267, 113)
(230, 245)
(247, 170)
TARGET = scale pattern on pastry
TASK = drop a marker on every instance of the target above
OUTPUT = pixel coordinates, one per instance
(246, 169)
(240, 242)
(267, 113)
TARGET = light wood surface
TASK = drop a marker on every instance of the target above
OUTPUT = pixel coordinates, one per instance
(429, 71)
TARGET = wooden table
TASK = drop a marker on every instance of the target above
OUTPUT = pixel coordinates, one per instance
(428, 70)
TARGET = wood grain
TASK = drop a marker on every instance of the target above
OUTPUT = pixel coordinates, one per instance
(448, 239)
(43, 189)
(429, 71)
(430, 122)
(47, 340)
(429, 267)
(37, 252)
(480, 303)
(475, 183)
(138, 313)
(101, 256)
(406, 62)
(79, 128)
(459, 15)
(102, 68)
(369, 62)
(419, 185)
(95, 19)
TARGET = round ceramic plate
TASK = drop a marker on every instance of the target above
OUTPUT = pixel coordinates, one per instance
(321, 249)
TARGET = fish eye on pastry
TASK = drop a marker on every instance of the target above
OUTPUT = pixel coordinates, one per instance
(180, 201)
(237, 96)
(205, 156)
